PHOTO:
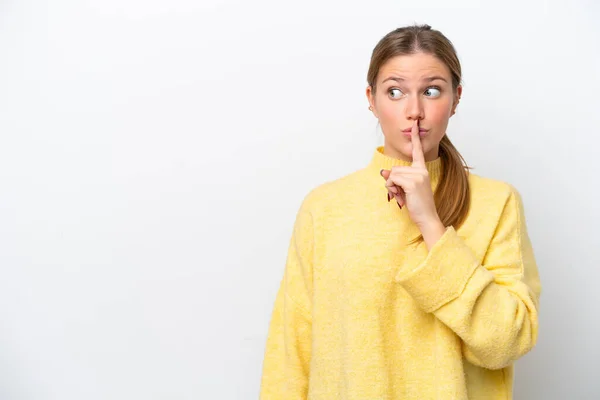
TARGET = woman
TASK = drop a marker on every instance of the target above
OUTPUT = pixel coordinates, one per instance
(433, 297)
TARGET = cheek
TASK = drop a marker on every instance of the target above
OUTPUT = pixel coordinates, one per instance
(439, 113)
(388, 112)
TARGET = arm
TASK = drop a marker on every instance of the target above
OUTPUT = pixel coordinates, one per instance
(288, 348)
(493, 305)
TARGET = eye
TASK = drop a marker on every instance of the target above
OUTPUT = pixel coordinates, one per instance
(395, 90)
(433, 91)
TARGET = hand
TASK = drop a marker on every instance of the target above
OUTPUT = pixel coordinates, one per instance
(411, 187)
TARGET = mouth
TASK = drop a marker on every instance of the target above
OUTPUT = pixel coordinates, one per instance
(422, 132)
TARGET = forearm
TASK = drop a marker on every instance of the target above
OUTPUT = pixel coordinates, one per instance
(432, 231)
(498, 323)
(495, 316)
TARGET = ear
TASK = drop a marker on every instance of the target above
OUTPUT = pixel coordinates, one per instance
(457, 99)
(371, 99)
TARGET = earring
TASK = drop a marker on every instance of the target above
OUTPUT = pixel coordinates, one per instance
(371, 108)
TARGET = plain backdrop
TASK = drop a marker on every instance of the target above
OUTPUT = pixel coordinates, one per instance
(153, 155)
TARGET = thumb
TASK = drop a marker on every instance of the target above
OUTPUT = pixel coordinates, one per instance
(385, 173)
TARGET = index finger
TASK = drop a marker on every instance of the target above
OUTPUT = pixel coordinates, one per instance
(417, 148)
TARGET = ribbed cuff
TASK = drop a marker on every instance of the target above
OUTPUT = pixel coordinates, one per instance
(444, 273)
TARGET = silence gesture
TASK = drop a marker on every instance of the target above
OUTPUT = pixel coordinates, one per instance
(411, 187)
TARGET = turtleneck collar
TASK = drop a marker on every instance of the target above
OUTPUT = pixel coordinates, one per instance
(381, 161)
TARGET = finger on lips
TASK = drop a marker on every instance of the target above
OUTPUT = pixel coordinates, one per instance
(417, 149)
(395, 190)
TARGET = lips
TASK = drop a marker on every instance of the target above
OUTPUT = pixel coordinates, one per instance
(409, 130)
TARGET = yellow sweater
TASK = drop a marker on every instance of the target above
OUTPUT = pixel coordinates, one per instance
(361, 315)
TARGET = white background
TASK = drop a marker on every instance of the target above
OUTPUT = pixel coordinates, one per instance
(153, 155)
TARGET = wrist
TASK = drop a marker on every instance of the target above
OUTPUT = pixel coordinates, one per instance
(431, 223)
(432, 231)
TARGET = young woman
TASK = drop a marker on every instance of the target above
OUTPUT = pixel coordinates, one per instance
(411, 278)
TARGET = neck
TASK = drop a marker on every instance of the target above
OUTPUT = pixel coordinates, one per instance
(381, 160)
(391, 152)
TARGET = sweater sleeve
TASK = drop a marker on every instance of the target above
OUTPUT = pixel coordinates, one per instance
(288, 347)
(491, 305)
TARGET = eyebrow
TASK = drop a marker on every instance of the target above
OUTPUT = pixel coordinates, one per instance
(428, 79)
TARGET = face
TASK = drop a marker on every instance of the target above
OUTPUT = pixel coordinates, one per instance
(409, 88)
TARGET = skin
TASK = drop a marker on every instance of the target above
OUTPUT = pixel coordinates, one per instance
(419, 97)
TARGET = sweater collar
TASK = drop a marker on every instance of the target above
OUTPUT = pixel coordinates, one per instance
(381, 161)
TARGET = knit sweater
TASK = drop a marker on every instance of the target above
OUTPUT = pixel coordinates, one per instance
(361, 314)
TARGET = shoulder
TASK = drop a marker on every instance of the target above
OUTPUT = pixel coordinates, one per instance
(484, 188)
(326, 195)
(327, 192)
(494, 200)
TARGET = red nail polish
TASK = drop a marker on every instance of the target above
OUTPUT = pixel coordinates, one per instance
(389, 197)
(399, 205)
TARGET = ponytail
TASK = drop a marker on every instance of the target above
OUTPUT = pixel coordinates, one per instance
(452, 195)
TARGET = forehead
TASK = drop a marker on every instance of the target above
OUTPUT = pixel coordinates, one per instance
(413, 67)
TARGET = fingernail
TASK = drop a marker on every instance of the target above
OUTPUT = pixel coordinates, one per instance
(389, 197)
(399, 205)
(381, 172)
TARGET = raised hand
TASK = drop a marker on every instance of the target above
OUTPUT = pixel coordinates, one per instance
(411, 187)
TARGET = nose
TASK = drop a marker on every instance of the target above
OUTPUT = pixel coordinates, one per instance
(414, 108)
